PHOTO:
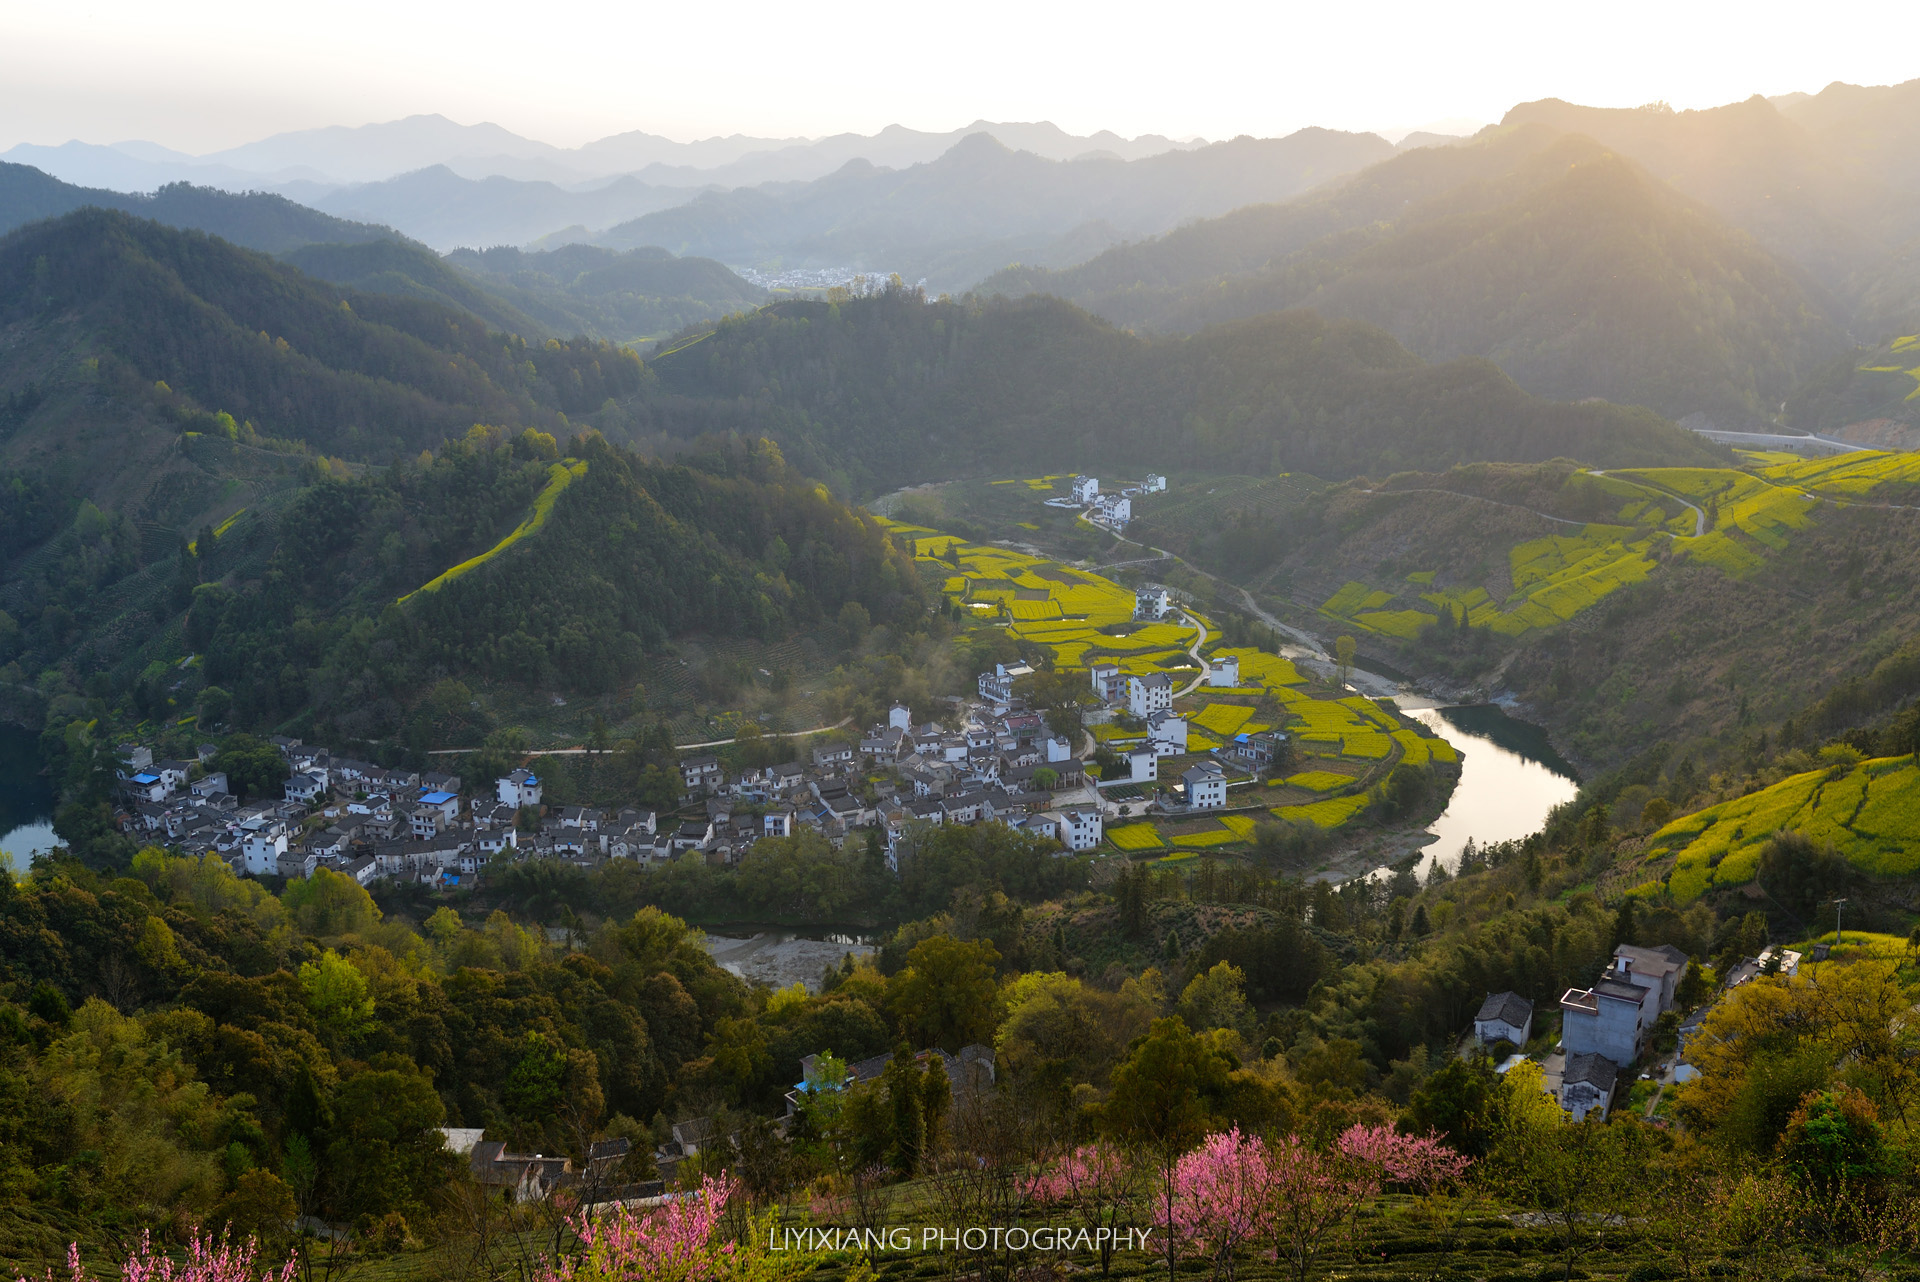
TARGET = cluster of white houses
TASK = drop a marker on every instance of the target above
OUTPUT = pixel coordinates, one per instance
(1111, 508)
(371, 822)
(1148, 697)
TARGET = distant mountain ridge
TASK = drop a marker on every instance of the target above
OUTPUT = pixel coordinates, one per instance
(338, 155)
(957, 218)
(444, 210)
(1570, 267)
(257, 220)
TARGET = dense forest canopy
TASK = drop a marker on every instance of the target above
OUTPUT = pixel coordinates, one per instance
(891, 389)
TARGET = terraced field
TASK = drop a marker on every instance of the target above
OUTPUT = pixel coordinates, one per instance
(1876, 475)
(1870, 812)
(1067, 610)
(1557, 577)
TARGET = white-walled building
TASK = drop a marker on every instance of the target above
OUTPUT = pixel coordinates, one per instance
(1167, 734)
(1078, 828)
(1151, 603)
(996, 687)
(1587, 1083)
(1084, 489)
(1206, 786)
(1108, 683)
(1143, 766)
(899, 717)
(1224, 672)
(1504, 1016)
(1149, 694)
(521, 788)
(265, 841)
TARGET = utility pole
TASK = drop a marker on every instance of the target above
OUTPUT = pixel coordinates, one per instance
(1836, 921)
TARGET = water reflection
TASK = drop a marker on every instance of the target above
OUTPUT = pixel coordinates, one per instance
(26, 799)
(1510, 779)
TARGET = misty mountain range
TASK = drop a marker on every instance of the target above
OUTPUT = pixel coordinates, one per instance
(1718, 261)
(477, 186)
(310, 162)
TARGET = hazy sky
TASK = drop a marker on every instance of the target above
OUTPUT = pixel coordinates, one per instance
(203, 74)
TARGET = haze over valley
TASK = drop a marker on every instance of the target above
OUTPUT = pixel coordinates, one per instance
(754, 693)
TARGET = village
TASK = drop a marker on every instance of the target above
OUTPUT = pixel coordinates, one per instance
(994, 761)
(991, 759)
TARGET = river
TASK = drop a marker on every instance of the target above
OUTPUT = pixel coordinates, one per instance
(1510, 778)
(26, 799)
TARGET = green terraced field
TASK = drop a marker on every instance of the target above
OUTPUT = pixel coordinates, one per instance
(1871, 814)
(1321, 780)
(1135, 837)
(1847, 475)
(1330, 813)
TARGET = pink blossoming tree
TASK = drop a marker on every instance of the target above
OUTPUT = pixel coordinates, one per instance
(1099, 1184)
(1310, 1194)
(1221, 1198)
(1420, 1162)
(672, 1243)
(208, 1259)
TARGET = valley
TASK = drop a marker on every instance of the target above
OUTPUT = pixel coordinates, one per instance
(680, 710)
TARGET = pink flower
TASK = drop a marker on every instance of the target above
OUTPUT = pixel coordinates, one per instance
(209, 1259)
(1093, 1170)
(672, 1243)
(1421, 1162)
(1221, 1198)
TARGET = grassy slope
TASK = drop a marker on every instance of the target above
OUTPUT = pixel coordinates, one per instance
(1870, 812)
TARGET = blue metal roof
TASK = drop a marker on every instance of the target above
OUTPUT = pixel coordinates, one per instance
(437, 798)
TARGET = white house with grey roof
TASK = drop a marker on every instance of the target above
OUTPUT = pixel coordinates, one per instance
(1504, 1017)
(1149, 694)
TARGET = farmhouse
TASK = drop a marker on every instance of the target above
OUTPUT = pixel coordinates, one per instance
(1504, 1017)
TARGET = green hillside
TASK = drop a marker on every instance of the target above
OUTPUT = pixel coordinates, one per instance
(624, 297)
(209, 453)
(1877, 389)
(1869, 812)
(1574, 270)
(888, 390)
(258, 220)
(121, 317)
(413, 271)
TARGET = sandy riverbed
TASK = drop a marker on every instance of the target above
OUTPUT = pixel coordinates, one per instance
(779, 960)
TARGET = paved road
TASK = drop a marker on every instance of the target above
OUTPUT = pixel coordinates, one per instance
(1699, 517)
(710, 743)
(1200, 639)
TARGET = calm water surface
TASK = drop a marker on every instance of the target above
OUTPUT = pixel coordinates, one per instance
(26, 799)
(1510, 779)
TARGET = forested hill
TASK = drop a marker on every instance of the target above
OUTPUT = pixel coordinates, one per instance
(258, 220)
(1572, 268)
(584, 566)
(889, 390)
(107, 308)
(337, 603)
